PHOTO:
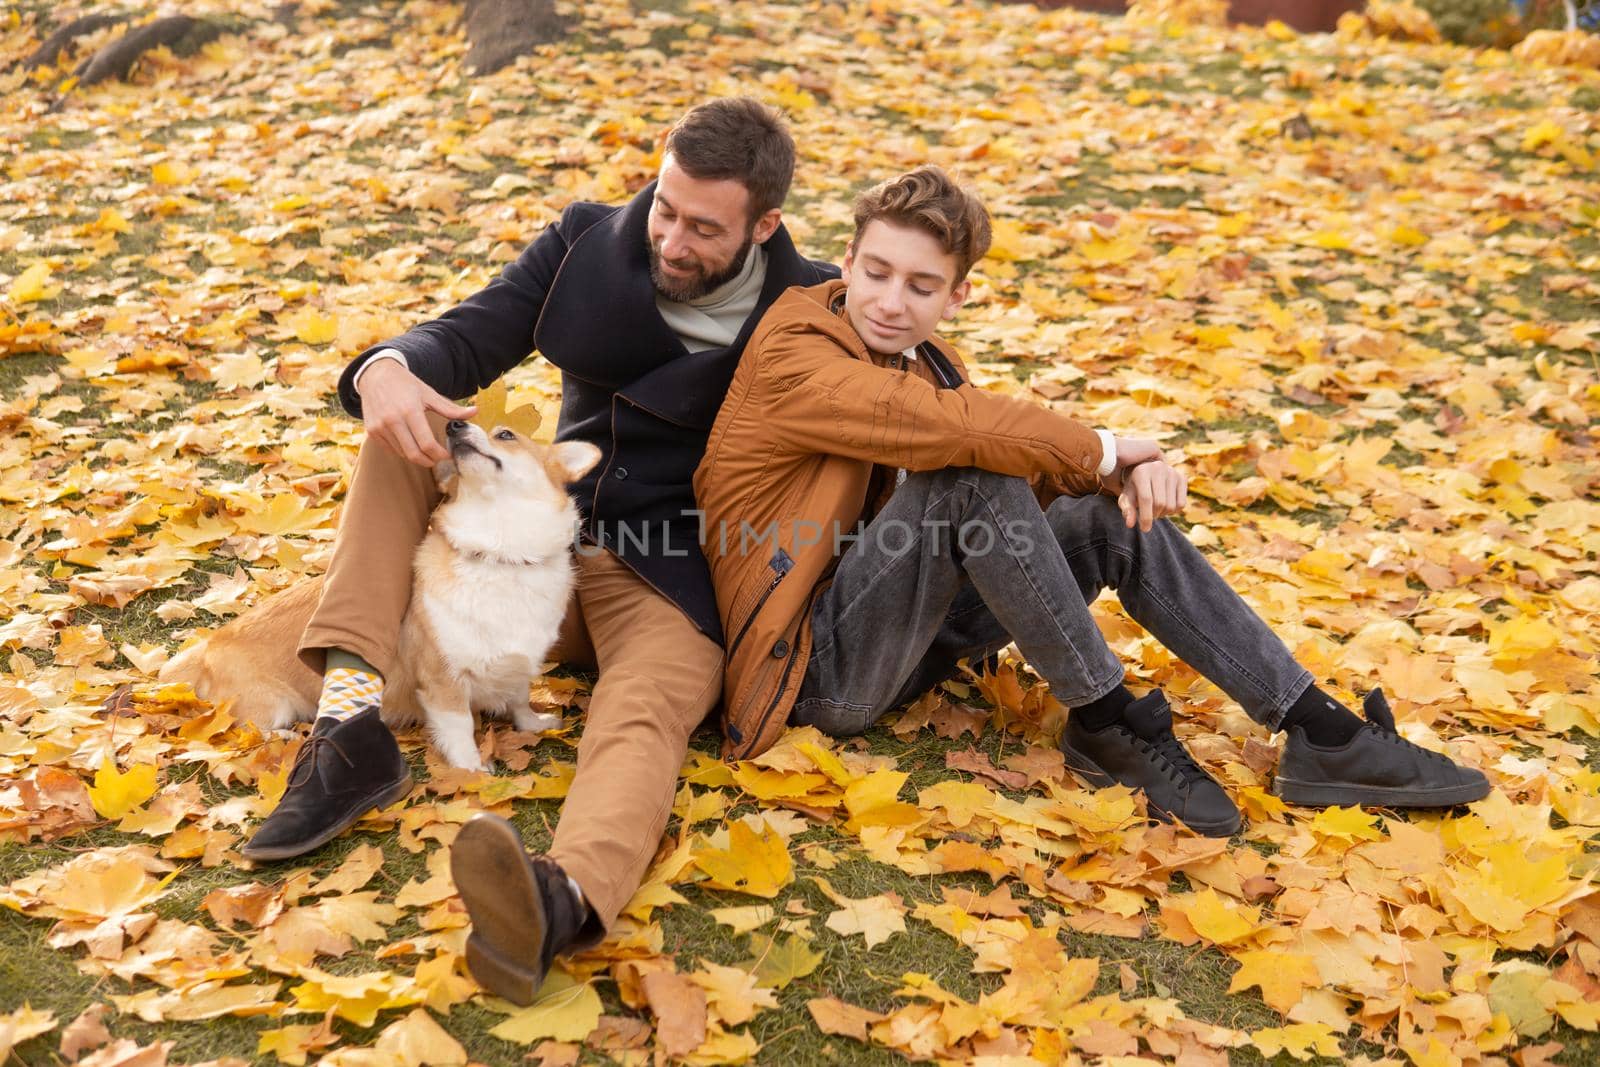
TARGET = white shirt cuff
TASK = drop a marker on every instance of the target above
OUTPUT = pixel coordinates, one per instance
(386, 353)
(1108, 451)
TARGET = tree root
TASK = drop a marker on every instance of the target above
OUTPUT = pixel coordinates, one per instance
(48, 52)
(116, 59)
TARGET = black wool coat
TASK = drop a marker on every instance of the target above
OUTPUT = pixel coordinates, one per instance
(581, 294)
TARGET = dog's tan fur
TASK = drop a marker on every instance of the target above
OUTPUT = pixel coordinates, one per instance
(490, 583)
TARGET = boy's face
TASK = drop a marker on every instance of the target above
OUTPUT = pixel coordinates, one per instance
(900, 283)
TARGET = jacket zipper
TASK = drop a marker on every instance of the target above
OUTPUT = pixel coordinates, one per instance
(781, 565)
(783, 684)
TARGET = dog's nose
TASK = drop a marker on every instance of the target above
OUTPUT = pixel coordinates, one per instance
(454, 427)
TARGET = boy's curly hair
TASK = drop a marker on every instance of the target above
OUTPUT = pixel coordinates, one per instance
(927, 199)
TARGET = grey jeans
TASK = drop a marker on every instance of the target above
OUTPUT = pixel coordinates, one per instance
(961, 562)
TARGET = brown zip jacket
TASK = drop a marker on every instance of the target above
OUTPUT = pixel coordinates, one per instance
(785, 475)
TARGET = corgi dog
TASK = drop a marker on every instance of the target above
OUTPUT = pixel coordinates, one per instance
(490, 585)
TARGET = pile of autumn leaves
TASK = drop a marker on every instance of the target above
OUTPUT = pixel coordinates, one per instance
(1456, 572)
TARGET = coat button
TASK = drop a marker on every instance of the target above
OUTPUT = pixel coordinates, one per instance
(780, 650)
(622, 474)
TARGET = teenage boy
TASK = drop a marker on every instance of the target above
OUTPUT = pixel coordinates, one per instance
(644, 308)
(870, 521)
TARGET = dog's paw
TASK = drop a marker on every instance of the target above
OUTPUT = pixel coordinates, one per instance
(459, 752)
(529, 721)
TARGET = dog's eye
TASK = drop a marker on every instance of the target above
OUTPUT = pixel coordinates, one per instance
(506, 435)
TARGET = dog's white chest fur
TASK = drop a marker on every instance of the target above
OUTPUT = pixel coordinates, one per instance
(494, 622)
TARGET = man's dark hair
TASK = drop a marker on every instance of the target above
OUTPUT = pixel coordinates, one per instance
(739, 139)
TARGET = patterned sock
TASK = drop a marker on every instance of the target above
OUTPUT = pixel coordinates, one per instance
(350, 686)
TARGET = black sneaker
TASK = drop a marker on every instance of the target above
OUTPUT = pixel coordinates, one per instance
(1141, 752)
(1377, 768)
(344, 770)
(523, 909)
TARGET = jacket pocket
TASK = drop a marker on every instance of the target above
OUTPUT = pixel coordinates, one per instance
(740, 621)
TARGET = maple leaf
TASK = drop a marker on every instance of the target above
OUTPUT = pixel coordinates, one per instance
(418, 1041)
(1282, 976)
(21, 1025)
(114, 794)
(283, 513)
(361, 915)
(679, 1006)
(491, 402)
(758, 864)
(292, 1044)
(206, 1000)
(1346, 824)
(779, 961)
(1303, 1041)
(357, 998)
(86, 1032)
(1214, 918)
(834, 1016)
(32, 284)
(312, 327)
(731, 993)
(876, 918)
(565, 1011)
(746, 918)
(357, 870)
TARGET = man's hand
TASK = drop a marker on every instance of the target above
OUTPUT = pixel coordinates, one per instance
(1148, 487)
(395, 405)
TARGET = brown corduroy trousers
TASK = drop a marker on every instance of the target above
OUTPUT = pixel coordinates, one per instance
(658, 675)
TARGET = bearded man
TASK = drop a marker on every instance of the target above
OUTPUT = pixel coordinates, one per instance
(645, 308)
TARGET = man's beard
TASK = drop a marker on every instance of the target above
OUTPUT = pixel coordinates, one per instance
(694, 288)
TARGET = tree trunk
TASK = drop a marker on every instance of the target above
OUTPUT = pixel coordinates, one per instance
(502, 30)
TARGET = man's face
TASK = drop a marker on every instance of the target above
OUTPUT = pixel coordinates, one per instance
(700, 232)
(901, 282)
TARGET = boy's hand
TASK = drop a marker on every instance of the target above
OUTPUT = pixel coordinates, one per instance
(1148, 487)
(395, 405)
(1151, 491)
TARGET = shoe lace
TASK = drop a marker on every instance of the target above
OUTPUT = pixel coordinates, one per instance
(306, 760)
(1179, 766)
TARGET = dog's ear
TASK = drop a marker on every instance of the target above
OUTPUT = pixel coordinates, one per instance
(577, 458)
(444, 476)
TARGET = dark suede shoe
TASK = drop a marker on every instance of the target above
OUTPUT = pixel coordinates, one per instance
(344, 770)
(1141, 752)
(1377, 767)
(523, 910)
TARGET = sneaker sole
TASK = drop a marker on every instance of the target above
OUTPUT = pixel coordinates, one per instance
(501, 895)
(1095, 775)
(379, 799)
(1327, 795)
